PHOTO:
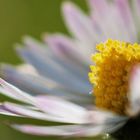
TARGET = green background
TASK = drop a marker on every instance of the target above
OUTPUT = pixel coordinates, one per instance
(27, 17)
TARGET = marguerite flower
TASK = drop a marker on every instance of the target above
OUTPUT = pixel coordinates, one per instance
(56, 75)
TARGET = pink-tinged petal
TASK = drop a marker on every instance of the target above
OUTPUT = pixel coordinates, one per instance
(6, 112)
(138, 1)
(125, 11)
(104, 12)
(62, 108)
(52, 70)
(42, 86)
(102, 117)
(110, 13)
(123, 6)
(98, 123)
(99, 5)
(38, 114)
(68, 130)
(41, 131)
(15, 93)
(67, 57)
(24, 111)
(61, 45)
(134, 95)
(66, 48)
(79, 24)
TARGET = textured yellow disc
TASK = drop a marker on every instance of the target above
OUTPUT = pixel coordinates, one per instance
(110, 73)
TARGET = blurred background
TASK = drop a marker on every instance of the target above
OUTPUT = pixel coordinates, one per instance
(27, 17)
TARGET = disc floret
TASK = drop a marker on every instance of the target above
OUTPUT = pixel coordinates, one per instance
(110, 73)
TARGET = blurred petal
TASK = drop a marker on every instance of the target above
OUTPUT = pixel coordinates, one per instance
(134, 95)
(97, 122)
(80, 26)
(13, 92)
(59, 107)
(27, 112)
(64, 109)
(136, 9)
(68, 130)
(27, 69)
(53, 106)
(4, 111)
(123, 6)
(68, 55)
(100, 117)
(100, 13)
(53, 71)
(42, 86)
(101, 5)
(66, 48)
(77, 21)
(57, 112)
(115, 15)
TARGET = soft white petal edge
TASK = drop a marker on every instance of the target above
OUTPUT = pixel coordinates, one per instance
(68, 130)
(12, 92)
(59, 110)
(56, 107)
(134, 95)
(27, 69)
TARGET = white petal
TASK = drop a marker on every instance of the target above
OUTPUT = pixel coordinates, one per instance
(3, 111)
(134, 95)
(52, 70)
(136, 11)
(68, 130)
(62, 46)
(80, 26)
(41, 85)
(115, 15)
(15, 93)
(27, 112)
(103, 117)
(61, 108)
(66, 49)
(126, 12)
(102, 12)
(27, 69)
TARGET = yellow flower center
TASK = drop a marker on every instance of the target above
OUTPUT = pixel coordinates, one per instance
(110, 74)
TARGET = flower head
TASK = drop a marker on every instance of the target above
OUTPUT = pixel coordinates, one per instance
(53, 83)
(111, 74)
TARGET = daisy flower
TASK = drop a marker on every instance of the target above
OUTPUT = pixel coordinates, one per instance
(53, 83)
